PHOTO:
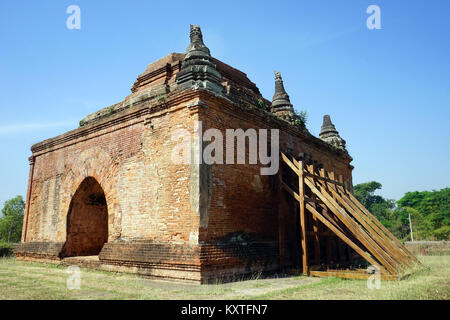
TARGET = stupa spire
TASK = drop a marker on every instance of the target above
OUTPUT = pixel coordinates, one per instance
(329, 134)
(281, 104)
(196, 46)
(198, 69)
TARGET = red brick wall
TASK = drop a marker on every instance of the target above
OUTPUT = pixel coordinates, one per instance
(242, 232)
(129, 155)
(217, 220)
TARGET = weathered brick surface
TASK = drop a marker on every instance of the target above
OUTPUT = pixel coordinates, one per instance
(147, 198)
(243, 211)
(42, 250)
(197, 221)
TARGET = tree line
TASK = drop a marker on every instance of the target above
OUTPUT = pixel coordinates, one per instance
(11, 220)
(429, 212)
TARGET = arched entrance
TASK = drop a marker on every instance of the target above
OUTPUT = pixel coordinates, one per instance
(87, 220)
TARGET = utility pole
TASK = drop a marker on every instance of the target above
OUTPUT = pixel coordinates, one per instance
(410, 227)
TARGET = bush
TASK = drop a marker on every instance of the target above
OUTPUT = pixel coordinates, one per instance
(443, 233)
(6, 249)
(11, 220)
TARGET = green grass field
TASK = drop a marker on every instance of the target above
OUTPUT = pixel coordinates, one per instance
(25, 280)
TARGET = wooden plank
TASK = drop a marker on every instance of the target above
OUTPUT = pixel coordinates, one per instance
(391, 248)
(295, 194)
(379, 244)
(315, 228)
(344, 238)
(350, 224)
(388, 233)
(301, 193)
(312, 200)
(362, 236)
(385, 230)
(350, 275)
(337, 223)
(373, 246)
(335, 208)
(289, 163)
(315, 176)
(371, 227)
(341, 245)
(368, 236)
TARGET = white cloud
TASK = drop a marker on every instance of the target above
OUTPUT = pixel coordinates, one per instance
(25, 127)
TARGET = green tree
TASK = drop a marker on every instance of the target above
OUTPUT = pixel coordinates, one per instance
(12, 219)
(431, 212)
(400, 225)
(380, 207)
(383, 209)
(422, 228)
(365, 193)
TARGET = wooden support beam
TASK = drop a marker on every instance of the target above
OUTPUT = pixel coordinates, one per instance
(394, 253)
(385, 230)
(315, 176)
(350, 220)
(342, 215)
(301, 193)
(350, 275)
(372, 227)
(344, 238)
(315, 225)
(295, 194)
(360, 233)
(388, 244)
(379, 244)
(289, 163)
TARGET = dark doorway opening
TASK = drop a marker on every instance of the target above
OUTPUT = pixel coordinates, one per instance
(87, 221)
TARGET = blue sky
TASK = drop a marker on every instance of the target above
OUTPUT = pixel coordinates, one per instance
(387, 91)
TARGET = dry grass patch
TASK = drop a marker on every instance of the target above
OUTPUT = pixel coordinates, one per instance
(26, 280)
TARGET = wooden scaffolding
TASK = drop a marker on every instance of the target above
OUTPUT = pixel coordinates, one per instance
(332, 219)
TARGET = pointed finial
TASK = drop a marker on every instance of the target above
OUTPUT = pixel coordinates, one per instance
(327, 125)
(196, 46)
(198, 70)
(281, 104)
(278, 75)
(196, 33)
(329, 134)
